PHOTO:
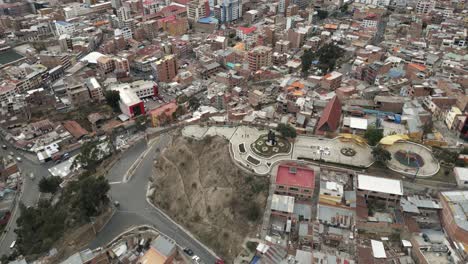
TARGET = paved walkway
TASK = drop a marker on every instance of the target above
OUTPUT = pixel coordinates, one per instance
(430, 167)
(305, 147)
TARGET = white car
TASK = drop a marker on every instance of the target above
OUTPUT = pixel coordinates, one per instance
(196, 259)
(18, 159)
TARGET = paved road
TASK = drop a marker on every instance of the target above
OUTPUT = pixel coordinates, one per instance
(30, 191)
(134, 209)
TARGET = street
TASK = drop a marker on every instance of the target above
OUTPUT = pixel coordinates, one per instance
(30, 192)
(134, 209)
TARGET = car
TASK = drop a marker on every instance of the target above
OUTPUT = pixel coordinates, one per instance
(196, 259)
(116, 203)
(4, 147)
(13, 244)
(31, 176)
(219, 261)
(188, 251)
(18, 159)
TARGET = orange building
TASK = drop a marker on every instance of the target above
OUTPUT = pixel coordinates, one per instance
(163, 114)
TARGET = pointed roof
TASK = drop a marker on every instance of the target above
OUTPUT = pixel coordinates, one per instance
(330, 119)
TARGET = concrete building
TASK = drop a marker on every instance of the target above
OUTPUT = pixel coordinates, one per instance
(424, 6)
(228, 10)
(129, 103)
(461, 176)
(62, 27)
(371, 187)
(95, 90)
(105, 64)
(332, 80)
(296, 181)
(197, 9)
(259, 57)
(453, 216)
(77, 92)
(451, 117)
(165, 69)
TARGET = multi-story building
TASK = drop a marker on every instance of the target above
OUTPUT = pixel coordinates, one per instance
(142, 89)
(51, 60)
(122, 67)
(197, 9)
(424, 6)
(384, 189)
(105, 64)
(63, 27)
(259, 57)
(6, 91)
(165, 69)
(129, 102)
(453, 217)
(451, 116)
(77, 92)
(228, 10)
(296, 181)
(123, 14)
(332, 80)
(245, 33)
(95, 90)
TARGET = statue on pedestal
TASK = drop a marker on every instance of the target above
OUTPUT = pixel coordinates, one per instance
(271, 138)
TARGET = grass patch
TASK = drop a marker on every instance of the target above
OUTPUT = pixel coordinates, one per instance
(260, 147)
(252, 246)
(445, 174)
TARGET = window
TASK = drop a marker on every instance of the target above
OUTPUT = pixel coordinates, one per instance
(280, 187)
(306, 190)
(293, 189)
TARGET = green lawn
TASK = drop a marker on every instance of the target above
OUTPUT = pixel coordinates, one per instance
(260, 147)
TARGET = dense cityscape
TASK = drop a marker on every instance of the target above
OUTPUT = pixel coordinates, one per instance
(233, 131)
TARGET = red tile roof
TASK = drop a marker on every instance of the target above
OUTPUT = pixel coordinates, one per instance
(247, 30)
(75, 129)
(303, 178)
(330, 119)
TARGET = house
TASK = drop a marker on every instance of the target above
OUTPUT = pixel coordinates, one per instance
(75, 129)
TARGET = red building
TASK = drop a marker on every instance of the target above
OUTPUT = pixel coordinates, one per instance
(295, 181)
(331, 116)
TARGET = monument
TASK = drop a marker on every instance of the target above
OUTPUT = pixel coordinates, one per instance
(271, 141)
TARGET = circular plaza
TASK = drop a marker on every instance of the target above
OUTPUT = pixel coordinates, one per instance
(412, 159)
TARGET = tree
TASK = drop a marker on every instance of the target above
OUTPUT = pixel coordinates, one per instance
(140, 123)
(178, 112)
(322, 14)
(90, 156)
(91, 195)
(373, 135)
(446, 155)
(113, 98)
(194, 103)
(50, 185)
(327, 56)
(286, 130)
(306, 60)
(381, 155)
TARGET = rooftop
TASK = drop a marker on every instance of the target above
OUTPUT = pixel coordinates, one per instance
(458, 205)
(295, 176)
(282, 203)
(379, 184)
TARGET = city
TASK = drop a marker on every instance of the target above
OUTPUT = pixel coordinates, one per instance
(234, 131)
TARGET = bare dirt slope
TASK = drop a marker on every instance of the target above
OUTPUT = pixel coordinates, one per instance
(198, 185)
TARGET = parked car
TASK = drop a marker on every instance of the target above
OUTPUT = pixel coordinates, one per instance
(196, 259)
(4, 147)
(116, 203)
(188, 251)
(13, 244)
(18, 159)
(31, 176)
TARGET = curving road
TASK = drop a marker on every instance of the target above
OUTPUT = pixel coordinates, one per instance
(29, 196)
(134, 209)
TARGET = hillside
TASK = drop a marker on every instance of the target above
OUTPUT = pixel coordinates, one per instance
(198, 185)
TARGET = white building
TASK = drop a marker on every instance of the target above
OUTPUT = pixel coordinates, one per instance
(63, 27)
(461, 176)
(125, 32)
(229, 10)
(424, 6)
